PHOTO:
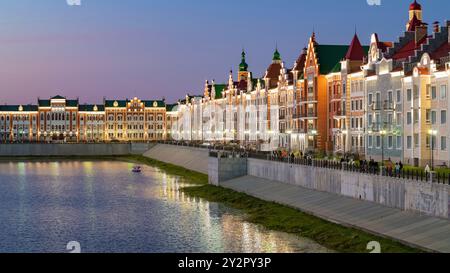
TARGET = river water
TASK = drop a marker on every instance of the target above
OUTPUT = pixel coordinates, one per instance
(107, 208)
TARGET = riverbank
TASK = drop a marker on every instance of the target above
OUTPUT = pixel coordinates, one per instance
(278, 217)
(270, 215)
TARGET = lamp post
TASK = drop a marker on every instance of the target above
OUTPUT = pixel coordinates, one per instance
(432, 134)
(382, 133)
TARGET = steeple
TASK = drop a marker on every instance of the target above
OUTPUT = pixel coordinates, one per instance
(415, 16)
(243, 66)
(355, 51)
(276, 56)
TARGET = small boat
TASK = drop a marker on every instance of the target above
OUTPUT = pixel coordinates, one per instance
(137, 169)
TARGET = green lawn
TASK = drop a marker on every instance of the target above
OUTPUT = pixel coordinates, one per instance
(279, 217)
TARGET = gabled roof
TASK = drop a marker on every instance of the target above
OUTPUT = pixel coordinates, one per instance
(440, 52)
(300, 63)
(409, 48)
(328, 56)
(355, 52)
(58, 97)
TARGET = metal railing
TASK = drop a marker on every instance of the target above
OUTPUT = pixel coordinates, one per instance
(368, 168)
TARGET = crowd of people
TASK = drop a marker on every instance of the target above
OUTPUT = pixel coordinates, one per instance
(368, 166)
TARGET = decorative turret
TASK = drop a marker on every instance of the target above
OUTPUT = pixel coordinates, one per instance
(230, 80)
(243, 66)
(276, 56)
(415, 16)
(206, 90)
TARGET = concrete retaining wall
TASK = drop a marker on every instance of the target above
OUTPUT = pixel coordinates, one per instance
(101, 149)
(224, 169)
(423, 197)
(195, 159)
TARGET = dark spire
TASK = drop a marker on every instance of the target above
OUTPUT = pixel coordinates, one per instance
(243, 66)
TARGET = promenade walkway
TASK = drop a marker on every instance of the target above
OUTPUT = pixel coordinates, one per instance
(195, 159)
(421, 231)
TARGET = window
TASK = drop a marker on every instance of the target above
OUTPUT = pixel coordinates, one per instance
(443, 143)
(370, 99)
(390, 97)
(399, 142)
(378, 142)
(427, 116)
(443, 92)
(433, 117)
(390, 142)
(408, 94)
(433, 92)
(399, 97)
(416, 140)
(370, 120)
(370, 141)
(427, 92)
(443, 117)
(408, 118)
(399, 118)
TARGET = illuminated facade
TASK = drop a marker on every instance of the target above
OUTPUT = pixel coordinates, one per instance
(382, 101)
(63, 120)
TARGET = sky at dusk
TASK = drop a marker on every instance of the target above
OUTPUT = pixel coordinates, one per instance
(168, 48)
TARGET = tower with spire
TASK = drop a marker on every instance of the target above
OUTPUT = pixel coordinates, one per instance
(415, 16)
(243, 75)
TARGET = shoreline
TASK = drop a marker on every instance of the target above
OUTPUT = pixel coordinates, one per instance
(270, 215)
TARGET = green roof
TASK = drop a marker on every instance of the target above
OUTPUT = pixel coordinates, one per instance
(219, 89)
(243, 66)
(121, 103)
(58, 97)
(44, 103)
(71, 103)
(90, 107)
(170, 107)
(276, 55)
(15, 108)
(330, 57)
(151, 103)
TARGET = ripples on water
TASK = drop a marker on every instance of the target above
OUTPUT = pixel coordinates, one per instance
(107, 208)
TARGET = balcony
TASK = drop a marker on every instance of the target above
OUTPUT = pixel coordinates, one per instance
(339, 114)
(308, 115)
(308, 99)
(388, 106)
(376, 106)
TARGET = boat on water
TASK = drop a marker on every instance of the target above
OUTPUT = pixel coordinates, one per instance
(137, 169)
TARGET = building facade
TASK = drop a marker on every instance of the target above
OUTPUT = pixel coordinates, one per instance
(386, 100)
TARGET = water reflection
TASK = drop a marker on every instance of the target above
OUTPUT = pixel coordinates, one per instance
(107, 208)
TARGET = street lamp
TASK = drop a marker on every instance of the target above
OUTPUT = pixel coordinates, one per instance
(432, 134)
(382, 133)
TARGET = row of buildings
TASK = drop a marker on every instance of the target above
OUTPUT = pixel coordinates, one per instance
(383, 100)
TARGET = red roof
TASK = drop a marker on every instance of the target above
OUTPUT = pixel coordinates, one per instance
(273, 72)
(442, 51)
(409, 48)
(415, 6)
(415, 22)
(300, 63)
(355, 51)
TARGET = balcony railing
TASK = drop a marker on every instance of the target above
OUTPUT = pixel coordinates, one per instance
(308, 114)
